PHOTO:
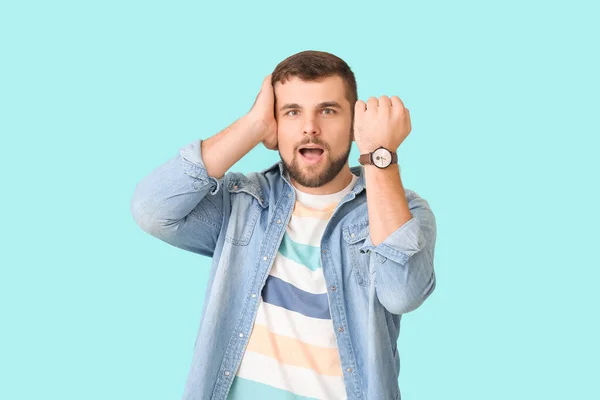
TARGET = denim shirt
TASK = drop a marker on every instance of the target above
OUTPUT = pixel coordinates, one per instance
(240, 219)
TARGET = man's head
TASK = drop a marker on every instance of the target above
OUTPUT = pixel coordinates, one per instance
(315, 93)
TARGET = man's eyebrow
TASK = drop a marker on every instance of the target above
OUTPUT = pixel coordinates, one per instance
(331, 104)
(289, 105)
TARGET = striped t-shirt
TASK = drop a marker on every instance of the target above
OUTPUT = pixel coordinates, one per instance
(292, 350)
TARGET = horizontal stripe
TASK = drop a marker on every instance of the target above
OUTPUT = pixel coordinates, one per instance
(244, 389)
(291, 351)
(308, 231)
(324, 200)
(309, 256)
(288, 296)
(301, 210)
(302, 381)
(315, 331)
(298, 275)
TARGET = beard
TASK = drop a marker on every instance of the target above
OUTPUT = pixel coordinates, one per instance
(303, 173)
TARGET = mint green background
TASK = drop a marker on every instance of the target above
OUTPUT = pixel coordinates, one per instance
(504, 146)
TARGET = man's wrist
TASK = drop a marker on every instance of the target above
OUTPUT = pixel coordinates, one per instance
(367, 150)
(257, 128)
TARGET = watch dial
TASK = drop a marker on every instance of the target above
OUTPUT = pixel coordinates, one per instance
(382, 158)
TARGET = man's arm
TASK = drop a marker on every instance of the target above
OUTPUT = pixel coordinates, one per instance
(173, 203)
(223, 150)
(402, 234)
(231, 144)
(402, 231)
(386, 201)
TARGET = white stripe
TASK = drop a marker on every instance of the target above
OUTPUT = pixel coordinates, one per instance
(298, 380)
(299, 275)
(278, 320)
(322, 200)
(306, 230)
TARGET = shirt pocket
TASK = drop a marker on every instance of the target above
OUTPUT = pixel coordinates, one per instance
(354, 237)
(245, 210)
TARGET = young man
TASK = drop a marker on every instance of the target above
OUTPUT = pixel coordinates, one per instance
(313, 261)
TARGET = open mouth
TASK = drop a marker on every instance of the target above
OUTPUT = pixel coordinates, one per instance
(311, 156)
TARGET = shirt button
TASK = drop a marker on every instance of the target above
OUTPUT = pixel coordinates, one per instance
(265, 258)
(278, 221)
(241, 335)
(324, 251)
(333, 288)
(341, 329)
(226, 373)
(289, 195)
(253, 295)
(349, 370)
(352, 235)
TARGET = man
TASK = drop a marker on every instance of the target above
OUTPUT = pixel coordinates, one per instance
(314, 262)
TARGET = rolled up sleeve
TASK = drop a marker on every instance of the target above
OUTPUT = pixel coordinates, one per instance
(403, 262)
(180, 204)
(193, 165)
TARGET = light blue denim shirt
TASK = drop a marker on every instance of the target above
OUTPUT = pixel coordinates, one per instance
(240, 219)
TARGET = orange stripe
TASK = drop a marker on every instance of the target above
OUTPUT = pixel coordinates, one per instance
(291, 351)
(300, 210)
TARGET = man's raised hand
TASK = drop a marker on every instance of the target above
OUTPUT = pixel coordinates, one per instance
(380, 122)
(262, 115)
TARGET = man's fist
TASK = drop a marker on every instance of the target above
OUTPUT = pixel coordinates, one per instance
(384, 122)
(262, 114)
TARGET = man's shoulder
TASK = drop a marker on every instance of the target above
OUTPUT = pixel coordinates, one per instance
(259, 184)
(255, 177)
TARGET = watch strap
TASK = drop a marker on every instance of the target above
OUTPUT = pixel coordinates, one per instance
(365, 159)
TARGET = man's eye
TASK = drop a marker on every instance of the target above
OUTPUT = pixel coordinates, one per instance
(329, 113)
(291, 111)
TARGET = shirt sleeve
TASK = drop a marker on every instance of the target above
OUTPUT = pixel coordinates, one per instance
(403, 243)
(403, 263)
(193, 165)
(180, 204)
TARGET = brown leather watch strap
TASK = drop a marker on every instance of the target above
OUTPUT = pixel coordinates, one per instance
(365, 159)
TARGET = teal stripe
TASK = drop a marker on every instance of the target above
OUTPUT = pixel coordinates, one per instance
(309, 256)
(244, 389)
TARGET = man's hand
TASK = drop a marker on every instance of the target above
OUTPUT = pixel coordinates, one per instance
(262, 115)
(384, 122)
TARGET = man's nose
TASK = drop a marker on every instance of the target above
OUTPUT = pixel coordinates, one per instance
(310, 126)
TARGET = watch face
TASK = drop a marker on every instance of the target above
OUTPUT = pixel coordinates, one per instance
(382, 158)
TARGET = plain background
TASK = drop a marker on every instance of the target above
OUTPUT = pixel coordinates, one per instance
(504, 104)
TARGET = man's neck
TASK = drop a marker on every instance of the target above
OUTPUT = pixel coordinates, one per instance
(337, 185)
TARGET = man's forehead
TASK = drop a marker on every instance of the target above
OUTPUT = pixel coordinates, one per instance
(295, 90)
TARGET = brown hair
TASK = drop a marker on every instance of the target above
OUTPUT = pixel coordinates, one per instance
(312, 65)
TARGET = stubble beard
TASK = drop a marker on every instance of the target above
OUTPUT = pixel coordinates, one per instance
(314, 176)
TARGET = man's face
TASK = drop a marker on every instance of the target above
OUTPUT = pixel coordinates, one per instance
(313, 113)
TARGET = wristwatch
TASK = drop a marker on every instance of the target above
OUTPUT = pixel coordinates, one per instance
(381, 158)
